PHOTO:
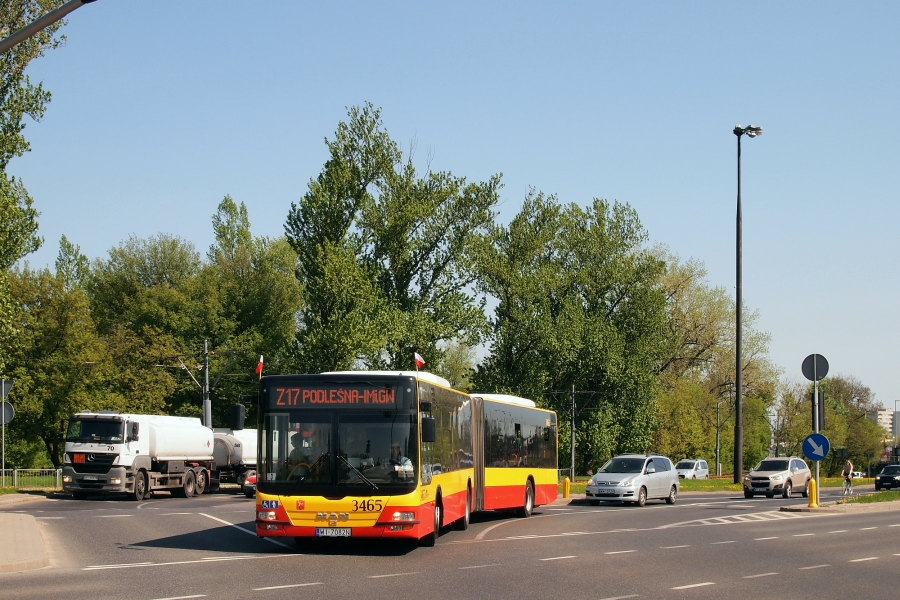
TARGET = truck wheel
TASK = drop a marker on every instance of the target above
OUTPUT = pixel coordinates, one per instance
(140, 487)
(202, 480)
(188, 485)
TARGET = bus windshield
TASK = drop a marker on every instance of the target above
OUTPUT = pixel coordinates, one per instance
(338, 438)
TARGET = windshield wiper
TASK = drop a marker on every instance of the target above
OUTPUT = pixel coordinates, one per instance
(312, 469)
(357, 471)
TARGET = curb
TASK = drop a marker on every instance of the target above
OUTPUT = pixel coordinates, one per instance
(845, 508)
(21, 544)
(7, 499)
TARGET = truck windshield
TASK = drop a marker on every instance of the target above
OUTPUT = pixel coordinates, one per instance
(104, 431)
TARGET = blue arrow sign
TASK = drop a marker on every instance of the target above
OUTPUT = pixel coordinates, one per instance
(816, 446)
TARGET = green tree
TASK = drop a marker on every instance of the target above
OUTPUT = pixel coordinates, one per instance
(383, 254)
(457, 365)
(579, 304)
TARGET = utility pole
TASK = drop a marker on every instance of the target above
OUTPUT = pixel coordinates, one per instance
(572, 467)
(37, 25)
(207, 406)
(205, 387)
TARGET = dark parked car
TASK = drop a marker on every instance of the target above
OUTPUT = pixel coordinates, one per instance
(888, 479)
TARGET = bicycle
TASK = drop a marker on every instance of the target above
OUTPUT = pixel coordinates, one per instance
(848, 487)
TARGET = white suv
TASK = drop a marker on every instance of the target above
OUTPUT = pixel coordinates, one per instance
(780, 475)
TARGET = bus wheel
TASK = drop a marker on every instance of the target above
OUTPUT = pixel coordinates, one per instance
(429, 540)
(526, 510)
(463, 523)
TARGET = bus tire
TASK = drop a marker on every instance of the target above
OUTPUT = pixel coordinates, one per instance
(140, 487)
(429, 540)
(463, 523)
(528, 507)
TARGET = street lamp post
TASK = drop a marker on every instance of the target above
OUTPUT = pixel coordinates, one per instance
(751, 132)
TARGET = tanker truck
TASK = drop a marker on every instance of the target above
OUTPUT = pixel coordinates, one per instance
(234, 451)
(108, 452)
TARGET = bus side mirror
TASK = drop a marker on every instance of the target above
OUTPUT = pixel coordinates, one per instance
(428, 429)
(135, 426)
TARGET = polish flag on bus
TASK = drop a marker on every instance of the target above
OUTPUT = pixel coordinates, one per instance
(259, 366)
(419, 360)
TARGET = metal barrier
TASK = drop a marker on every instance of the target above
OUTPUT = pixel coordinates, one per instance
(32, 479)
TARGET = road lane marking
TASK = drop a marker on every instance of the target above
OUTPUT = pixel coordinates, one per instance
(481, 535)
(481, 566)
(765, 538)
(803, 534)
(182, 562)
(693, 585)
(558, 558)
(559, 509)
(182, 597)
(728, 542)
(622, 597)
(283, 587)
(169, 514)
(839, 531)
(814, 567)
(896, 525)
(671, 547)
(760, 575)
(867, 528)
(863, 559)
(253, 533)
(392, 575)
(112, 516)
(620, 552)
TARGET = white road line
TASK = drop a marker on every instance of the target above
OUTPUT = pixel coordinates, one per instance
(765, 538)
(392, 575)
(253, 533)
(863, 559)
(803, 534)
(671, 547)
(481, 566)
(693, 585)
(182, 562)
(728, 542)
(169, 514)
(182, 597)
(622, 597)
(760, 575)
(620, 552)
(896, 525)
(558, 558)
(559, 509)
(282, 587)
(839, 531)
(867, 528)
(111, 516)
(814, 567)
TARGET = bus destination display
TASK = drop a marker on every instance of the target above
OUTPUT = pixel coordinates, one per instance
(337, 396)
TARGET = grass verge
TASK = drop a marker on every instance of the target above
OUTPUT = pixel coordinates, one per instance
(883, 496)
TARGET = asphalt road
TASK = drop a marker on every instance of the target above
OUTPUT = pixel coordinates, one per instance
(706, 546)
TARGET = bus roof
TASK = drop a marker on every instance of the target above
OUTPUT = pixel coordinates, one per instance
(423, 375)
(506, 398)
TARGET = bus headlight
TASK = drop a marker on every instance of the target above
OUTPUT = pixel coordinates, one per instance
(404, 516)
(266, 515)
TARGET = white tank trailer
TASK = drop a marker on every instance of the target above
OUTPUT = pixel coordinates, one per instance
(234, 451)
(108, 452)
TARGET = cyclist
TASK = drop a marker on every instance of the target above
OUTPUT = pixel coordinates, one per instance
(848, 477)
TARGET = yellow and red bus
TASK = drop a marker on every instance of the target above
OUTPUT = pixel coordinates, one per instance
(393, 454)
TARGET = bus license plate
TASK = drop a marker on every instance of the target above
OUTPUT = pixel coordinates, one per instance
(332, 532)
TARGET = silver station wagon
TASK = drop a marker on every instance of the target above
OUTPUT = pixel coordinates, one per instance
(634, 478)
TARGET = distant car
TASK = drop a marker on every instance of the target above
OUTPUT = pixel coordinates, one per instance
(858, 474)
(249, 486)
(780, 475)
(692, 469)
(634, 478)
(889, 478)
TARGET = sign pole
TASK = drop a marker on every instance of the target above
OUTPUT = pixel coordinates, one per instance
(815, 403)
(3, 419)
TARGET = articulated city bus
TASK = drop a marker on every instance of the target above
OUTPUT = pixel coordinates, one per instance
(394, 454)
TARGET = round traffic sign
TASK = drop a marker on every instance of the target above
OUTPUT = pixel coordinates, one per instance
(814, 367)
(816, 446)
(8, 413)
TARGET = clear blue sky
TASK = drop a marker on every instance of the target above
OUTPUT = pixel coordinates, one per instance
(160, 108)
